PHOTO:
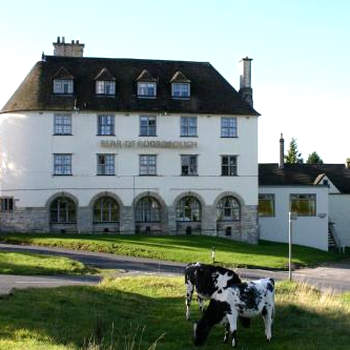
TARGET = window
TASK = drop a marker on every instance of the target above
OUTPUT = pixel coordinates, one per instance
(105, 164)
(104, 87)
(62, 124)
(303, 204)
(228, 209)
(105, 125)
(189, 165)
(188, 209)
(266, 205)
(188, 127)
(228, 165)
(228, 127)
(6, 204)
(180, 90)
(148, 210)
(146, 89)
(63, 86)
(63, 211)
(106, 210)
(148, 164)
(148, 126)
(62, 164)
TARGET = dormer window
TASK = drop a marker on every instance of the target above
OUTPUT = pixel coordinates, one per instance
(146, 89)
(180, 90)
(105, 83)
(63, 82)
(63, 86)
(105, 88)
(146, 85)
(180, 86)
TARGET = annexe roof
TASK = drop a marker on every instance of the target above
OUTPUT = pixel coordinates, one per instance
(179, 77)
(105, 75)
(63, 73)
(270, 174)
(210, 92)
(145, 75)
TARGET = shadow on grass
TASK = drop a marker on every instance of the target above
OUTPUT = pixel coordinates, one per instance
(72, 315)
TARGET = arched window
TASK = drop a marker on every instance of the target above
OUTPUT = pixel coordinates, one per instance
(106, 209)
(148, 210)
(63, 211)
(228, 209)
(188, 209)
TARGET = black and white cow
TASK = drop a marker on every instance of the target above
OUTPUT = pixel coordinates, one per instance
(206, 279)
(247, 300)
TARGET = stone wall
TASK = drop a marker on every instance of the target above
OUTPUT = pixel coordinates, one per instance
(37, 220)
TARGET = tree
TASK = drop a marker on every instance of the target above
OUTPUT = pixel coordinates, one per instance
(293, 156)
(314, 158)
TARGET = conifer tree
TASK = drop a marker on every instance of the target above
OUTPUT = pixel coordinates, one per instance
(314, 158)
(293, 156)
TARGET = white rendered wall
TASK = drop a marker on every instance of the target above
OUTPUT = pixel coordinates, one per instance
(339, 213)
(27, 146)
(310, 231)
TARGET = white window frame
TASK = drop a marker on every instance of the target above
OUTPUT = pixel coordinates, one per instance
(229, 127)
(189, 162)
(231, 167)
(148, 164)
(105, 164)
(188, 127)
(105, 87)
(62, 164)
(304, 197)
(270, 198)
(148, 129)
(178, 90)
(63, 86)
(105, 125)
(143, 89)
(7, 204)
(62, 124)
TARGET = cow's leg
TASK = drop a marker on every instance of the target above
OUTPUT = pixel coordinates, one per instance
(267, 317)
(227, 332)
(200, 302)
(189, 293)
(232, 320)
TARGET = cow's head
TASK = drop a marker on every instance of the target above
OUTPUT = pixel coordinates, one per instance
(200, 332)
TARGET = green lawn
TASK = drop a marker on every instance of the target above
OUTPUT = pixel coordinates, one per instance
(182, 248)
(66, 318)
(33, 264)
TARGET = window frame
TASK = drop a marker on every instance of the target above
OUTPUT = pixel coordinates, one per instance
(62, 164)
(100, 211)
(313, 208)
(101, 88)
(229, 166)
(62, 125)
(195, 208)
(235, 210)
(59, 85)
(149, 167)
(190, 157)
(272, 200)
(186, 129)
(146, 87)
(148, 128)
(145, 212)
(180, 96)
(102, 127)
(7, 204)
(102, 169)
(68, 211)
(229, 127)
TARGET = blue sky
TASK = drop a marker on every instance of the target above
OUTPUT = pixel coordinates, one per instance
(301, 53)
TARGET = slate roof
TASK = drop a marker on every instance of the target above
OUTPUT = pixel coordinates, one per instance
(304, 174)
(210, 92)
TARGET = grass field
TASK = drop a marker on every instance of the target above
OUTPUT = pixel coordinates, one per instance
(182, 248)
(33, 264)
(66, 318)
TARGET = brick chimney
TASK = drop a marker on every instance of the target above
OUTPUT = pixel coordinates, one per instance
(73, 49)
(246, 90)
(281, 164)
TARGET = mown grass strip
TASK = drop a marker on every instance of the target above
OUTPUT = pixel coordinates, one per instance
(35, 264)
(117, 310)
(182, 249)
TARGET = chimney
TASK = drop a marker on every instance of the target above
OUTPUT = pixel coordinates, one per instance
(74, 49)
(281, 164)
(347, 163)
(246, 90)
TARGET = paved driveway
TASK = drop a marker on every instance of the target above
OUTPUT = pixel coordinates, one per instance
(334, 277)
